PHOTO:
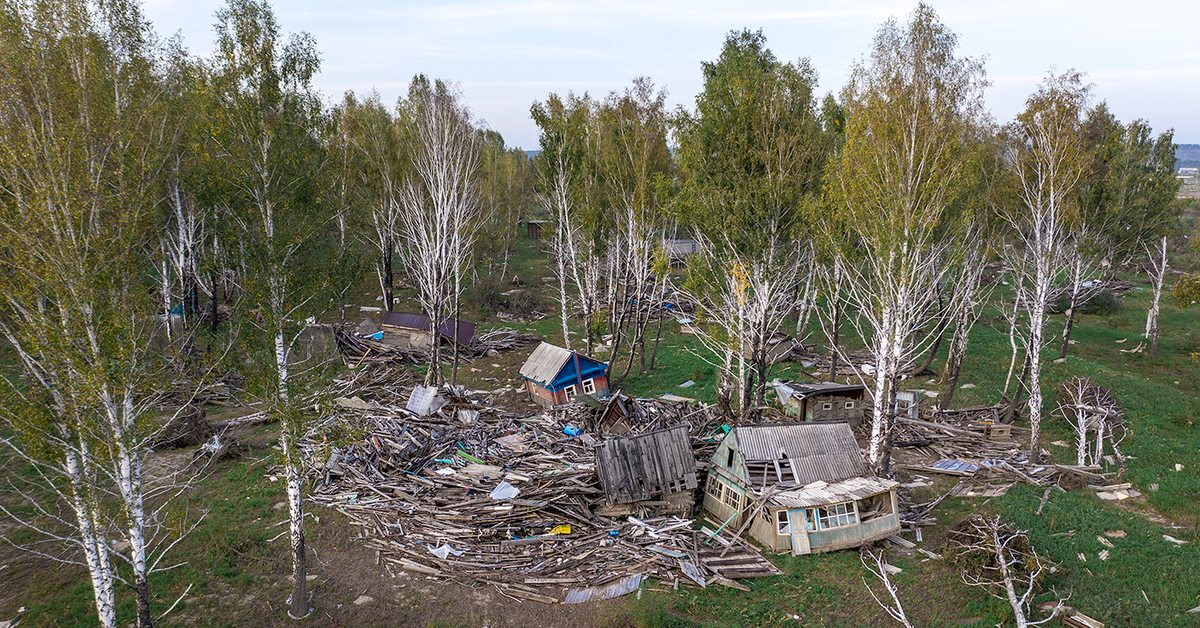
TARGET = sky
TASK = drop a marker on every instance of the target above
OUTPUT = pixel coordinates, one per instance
(1142, 58)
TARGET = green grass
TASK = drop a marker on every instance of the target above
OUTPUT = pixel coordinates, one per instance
(1159, 397)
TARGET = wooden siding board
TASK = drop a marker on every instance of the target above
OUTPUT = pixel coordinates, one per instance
(640, 467)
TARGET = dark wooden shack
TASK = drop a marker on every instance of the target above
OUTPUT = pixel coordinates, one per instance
(533, 229)
(823, 402)
(652, 466)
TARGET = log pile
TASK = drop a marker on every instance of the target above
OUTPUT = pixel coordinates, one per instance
(357, 350)
(500, 339)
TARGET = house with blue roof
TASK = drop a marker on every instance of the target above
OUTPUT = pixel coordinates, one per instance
(553, 375)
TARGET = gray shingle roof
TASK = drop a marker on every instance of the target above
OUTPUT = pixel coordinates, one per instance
(818, 451)
(544, 363)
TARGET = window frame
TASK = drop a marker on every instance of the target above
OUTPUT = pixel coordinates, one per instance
(783, 526)
(570, 390)
(839, 515)
(589, 383)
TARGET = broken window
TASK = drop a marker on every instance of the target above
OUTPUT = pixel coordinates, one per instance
(782, 525)
(783, 467)
(875, 506)
(837, 515)
(757, 475)
(570, 390)
(733, 499)
(729, 458)
(589, 386)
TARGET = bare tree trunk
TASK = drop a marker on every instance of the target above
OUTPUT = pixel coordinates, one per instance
(834, 337)
(388, 281)
(954, 360)
(1160, 272)
(454, 333)
(1067, 327)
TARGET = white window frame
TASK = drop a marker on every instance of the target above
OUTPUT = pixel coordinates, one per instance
(570, 390)
(589, 386)
(849, 405)
(838, 515)
(783, 523)
(828, 405)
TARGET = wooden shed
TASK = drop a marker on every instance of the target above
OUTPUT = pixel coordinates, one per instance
(403, 329)
(657, 469)
(823, 402)
(816, 490)
(533, 228)
(553, 375)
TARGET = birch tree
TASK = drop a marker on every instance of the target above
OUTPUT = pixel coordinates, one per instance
(568, 193)
(382, 165)
(741, 301)
(440, 204)
(1004, 560)
(751, 157)
(83, 137)
(634, 162)
(263, 123)
(1047, 157)
(897, 192)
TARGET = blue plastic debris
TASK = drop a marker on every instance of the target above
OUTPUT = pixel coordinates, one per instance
(571, 430)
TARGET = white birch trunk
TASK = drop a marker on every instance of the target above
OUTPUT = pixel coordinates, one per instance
(880, 412)
(95, 548)
(1010, 588)
(1159, 274)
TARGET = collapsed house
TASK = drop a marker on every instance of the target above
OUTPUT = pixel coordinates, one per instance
(415, 331)
(823, 402)
(655, 472)
(553, 375)
(806, 485)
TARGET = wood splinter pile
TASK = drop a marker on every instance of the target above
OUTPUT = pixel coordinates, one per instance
(478, 496)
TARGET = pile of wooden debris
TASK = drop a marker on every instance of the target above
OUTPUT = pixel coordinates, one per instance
(475, 495)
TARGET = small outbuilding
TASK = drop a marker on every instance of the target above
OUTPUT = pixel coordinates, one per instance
(403, 329)
(533, 228)
(553, 375)
(823, 402)
(816, 492)
(656, 470)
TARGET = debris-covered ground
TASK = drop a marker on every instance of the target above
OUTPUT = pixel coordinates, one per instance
(447, 486)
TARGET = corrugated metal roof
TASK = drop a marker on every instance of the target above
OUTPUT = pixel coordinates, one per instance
(821, 493)
(818, 451)
(544, 363)
(618, 588)
(407, 320)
